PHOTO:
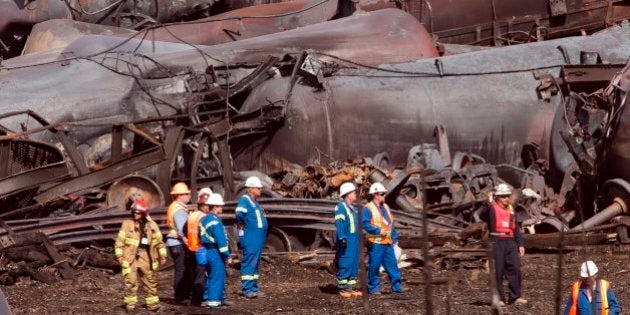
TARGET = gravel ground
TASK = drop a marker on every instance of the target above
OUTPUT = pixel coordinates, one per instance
(294, 289)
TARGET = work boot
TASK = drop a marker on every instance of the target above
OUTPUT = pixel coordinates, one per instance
(345, 294)
(520, 301)
(250, 295)
(153, 307)
(356, 293)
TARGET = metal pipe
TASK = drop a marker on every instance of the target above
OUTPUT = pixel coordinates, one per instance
(616, 208)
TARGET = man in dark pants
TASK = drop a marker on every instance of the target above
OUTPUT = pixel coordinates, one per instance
(507, 243)
(176, 217)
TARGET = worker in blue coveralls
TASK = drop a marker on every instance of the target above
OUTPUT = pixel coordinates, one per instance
(347, 224)
(591, 295)
(252, 225)
(214, 253)
(378, 223)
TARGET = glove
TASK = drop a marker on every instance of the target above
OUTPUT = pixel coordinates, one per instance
(343, 243)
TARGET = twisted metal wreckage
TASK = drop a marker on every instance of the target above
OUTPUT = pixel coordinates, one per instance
(91, 122)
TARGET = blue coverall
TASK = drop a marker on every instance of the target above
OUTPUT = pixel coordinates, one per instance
(584, 307)
(250, 214)
(213, 254)
(381, 254)
(347, 224)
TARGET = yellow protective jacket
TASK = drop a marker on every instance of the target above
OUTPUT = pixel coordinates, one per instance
(128, 241)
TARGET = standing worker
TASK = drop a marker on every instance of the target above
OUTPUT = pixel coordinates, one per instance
(203, 195)
(215, 253)
(590, 295)
(139, 247)
(378, 222)
(176, 217)
(507, 243)
(194, 243)
(252, 225)
(347, 224)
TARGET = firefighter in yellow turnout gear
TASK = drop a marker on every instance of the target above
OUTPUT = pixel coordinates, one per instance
(139, 248)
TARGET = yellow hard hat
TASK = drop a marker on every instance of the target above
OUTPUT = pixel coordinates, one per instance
(180, 189)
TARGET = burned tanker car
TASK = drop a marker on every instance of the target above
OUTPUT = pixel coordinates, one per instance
(96, 119)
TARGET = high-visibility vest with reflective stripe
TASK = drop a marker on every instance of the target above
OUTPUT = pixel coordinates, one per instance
(504, 221)
(603, 292)
(385, 225)
(170, 218)
(350, 215)
(193, 230)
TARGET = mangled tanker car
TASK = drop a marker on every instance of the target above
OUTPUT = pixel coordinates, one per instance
(107, 107)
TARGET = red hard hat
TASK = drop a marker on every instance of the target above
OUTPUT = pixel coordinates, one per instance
(140, 206)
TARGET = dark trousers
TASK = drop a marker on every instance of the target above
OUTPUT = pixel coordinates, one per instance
(184, 274)
(507, 263)
(199, 285)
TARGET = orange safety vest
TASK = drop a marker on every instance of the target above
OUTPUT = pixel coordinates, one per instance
(504, 221)
(603, 291)
(377, 220)
(170, 218)
(194, 242)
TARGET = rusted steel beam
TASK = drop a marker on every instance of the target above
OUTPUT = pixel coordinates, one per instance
(117, 143)
(33, 178)
(103, 176)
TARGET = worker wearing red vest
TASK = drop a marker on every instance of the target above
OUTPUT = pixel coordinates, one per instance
(507, 243)
(194, 243)
(378, 223)
(590, 296)
(176, 217)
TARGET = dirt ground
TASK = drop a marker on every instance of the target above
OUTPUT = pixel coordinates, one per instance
(294, 289)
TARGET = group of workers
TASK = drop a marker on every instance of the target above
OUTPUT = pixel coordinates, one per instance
(198, 245)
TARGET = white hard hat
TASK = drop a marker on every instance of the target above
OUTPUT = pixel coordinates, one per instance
(253, 182)
(346, 188)
(377, 188)
(588, 269)
(205, 191)
(215, 200)
(502, 190)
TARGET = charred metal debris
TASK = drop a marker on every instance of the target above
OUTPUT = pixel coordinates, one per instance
(285, 102)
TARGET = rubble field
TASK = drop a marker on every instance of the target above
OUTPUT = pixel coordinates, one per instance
(292, 288)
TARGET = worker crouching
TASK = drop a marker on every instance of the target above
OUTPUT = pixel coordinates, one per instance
(347, 224)
(139, 248)
(214, 253)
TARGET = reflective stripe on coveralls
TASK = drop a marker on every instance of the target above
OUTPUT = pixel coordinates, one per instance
(348, 258)
(251, 216)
